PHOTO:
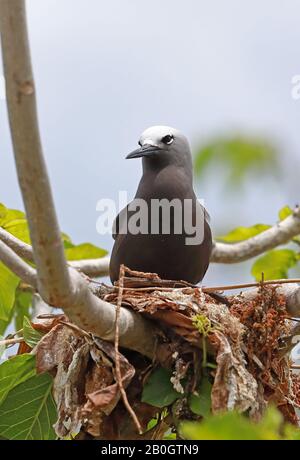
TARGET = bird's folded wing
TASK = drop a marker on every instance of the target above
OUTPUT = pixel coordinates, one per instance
(119, 222)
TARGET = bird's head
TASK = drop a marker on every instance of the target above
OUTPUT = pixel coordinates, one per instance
(163, 145)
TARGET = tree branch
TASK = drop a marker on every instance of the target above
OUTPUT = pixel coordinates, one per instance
(57, 284)
(17, 265)
(53, 276)
(280, 233)
(91, 267)
(24, 250)
(97, 316)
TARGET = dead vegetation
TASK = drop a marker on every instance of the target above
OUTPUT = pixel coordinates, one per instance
(241, 346)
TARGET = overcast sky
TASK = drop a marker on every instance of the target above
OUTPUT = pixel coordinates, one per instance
(105, 71)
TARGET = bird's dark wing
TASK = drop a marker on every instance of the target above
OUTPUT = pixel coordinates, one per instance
(119, 222)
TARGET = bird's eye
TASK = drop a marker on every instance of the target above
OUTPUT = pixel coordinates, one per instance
(168, 139)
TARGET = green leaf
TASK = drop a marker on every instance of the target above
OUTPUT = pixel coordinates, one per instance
(233, 426)
(18, 228)
(31, 336)
(3, 211)
(15, 222)
(152, 423)
(285, 212)
(274, 264)
(7, 215)
(23, 303)
(84, 251)
(8, 284)
(15, 371)
(200, 402)
(170, 437)
(28, 411)
(243, 233)
(66, 240)
(158, 390)
(238, 157)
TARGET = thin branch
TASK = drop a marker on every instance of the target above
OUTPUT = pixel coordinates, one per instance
(23, 250)
(8, 342)
(17, 265)
(92, 267)
(117, 354)
(231, 287)
(280, 233)
(53, 276)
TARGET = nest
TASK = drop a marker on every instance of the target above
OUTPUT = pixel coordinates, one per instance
(241, 346)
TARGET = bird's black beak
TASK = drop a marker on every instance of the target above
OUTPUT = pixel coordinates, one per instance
(146, 150)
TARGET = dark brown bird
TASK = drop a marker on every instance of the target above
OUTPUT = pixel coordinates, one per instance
(155, 243)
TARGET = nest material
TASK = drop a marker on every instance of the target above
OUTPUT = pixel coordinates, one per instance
(242, 345)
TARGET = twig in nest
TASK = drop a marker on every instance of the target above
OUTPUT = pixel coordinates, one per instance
(297, 320)
(118, 367)
(246, 285)
(75, 328)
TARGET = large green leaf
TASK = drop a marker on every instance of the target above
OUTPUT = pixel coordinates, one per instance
(28, 411)
(158, 390)
(8, 284)
(243, 233)
(238, 157)
(274, 264)
(83, 251)
(15, 371)
(7, 215)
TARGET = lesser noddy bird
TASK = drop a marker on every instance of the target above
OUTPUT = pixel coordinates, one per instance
(167, 174)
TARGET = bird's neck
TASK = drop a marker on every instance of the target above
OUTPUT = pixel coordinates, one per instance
(169, 181)
(156, 165)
